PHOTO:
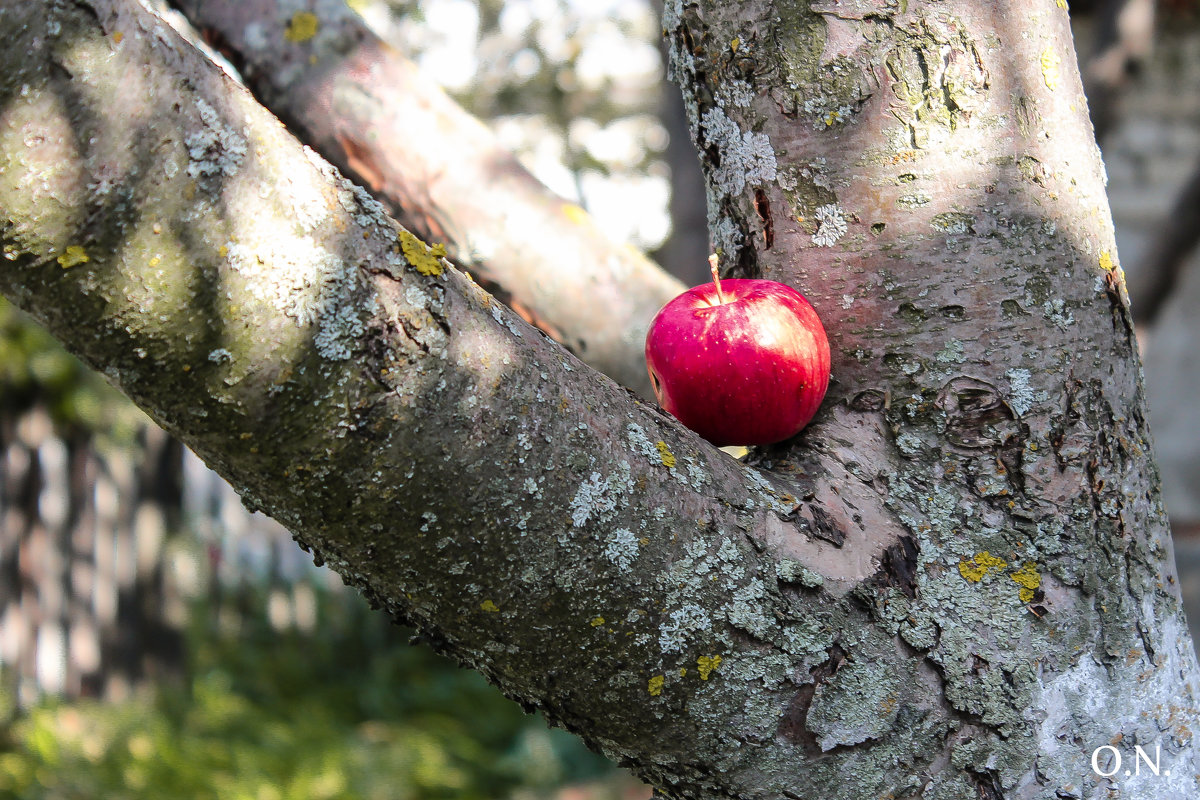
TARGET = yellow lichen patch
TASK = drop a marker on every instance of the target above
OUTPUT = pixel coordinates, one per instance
(427, 261)
(707, 665)
(1029, 580)
(574, 213)
(302, 27)
(655, 685)
(1050, 62)
(735, 44)
(1106, 262)
(489, 606)
(117, 37)
(73, 256)
(664, 452)
(1061, 3)
(596, 622)
(974, 569)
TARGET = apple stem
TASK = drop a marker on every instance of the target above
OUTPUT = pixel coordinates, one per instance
(712, 265)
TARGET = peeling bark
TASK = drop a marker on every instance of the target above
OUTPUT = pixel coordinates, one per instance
(443, 175)
(956, 583)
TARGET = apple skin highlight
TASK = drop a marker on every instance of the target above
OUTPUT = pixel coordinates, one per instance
(739, 361)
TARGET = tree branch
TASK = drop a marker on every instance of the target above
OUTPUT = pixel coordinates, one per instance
(443, 174)
(1167, 254)
(1123, 40)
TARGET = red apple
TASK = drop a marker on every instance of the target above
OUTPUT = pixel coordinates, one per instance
(739, 361)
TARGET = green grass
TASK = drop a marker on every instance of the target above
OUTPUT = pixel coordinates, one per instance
(349, 712)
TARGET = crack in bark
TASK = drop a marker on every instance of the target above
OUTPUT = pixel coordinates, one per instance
(825, 526)
(899, 567)
(987, 784)
(793, 724)
(762, 207)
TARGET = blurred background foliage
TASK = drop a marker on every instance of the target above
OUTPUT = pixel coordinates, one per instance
(576, 89)
(35, 370)
(347, 710)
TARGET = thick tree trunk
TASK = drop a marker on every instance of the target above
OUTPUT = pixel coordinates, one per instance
(956, 583)
(926, 172)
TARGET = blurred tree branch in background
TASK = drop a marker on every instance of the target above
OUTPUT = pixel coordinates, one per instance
(443, 174)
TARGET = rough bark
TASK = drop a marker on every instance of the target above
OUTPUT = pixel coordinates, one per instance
(956, 583)
(443, 174)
